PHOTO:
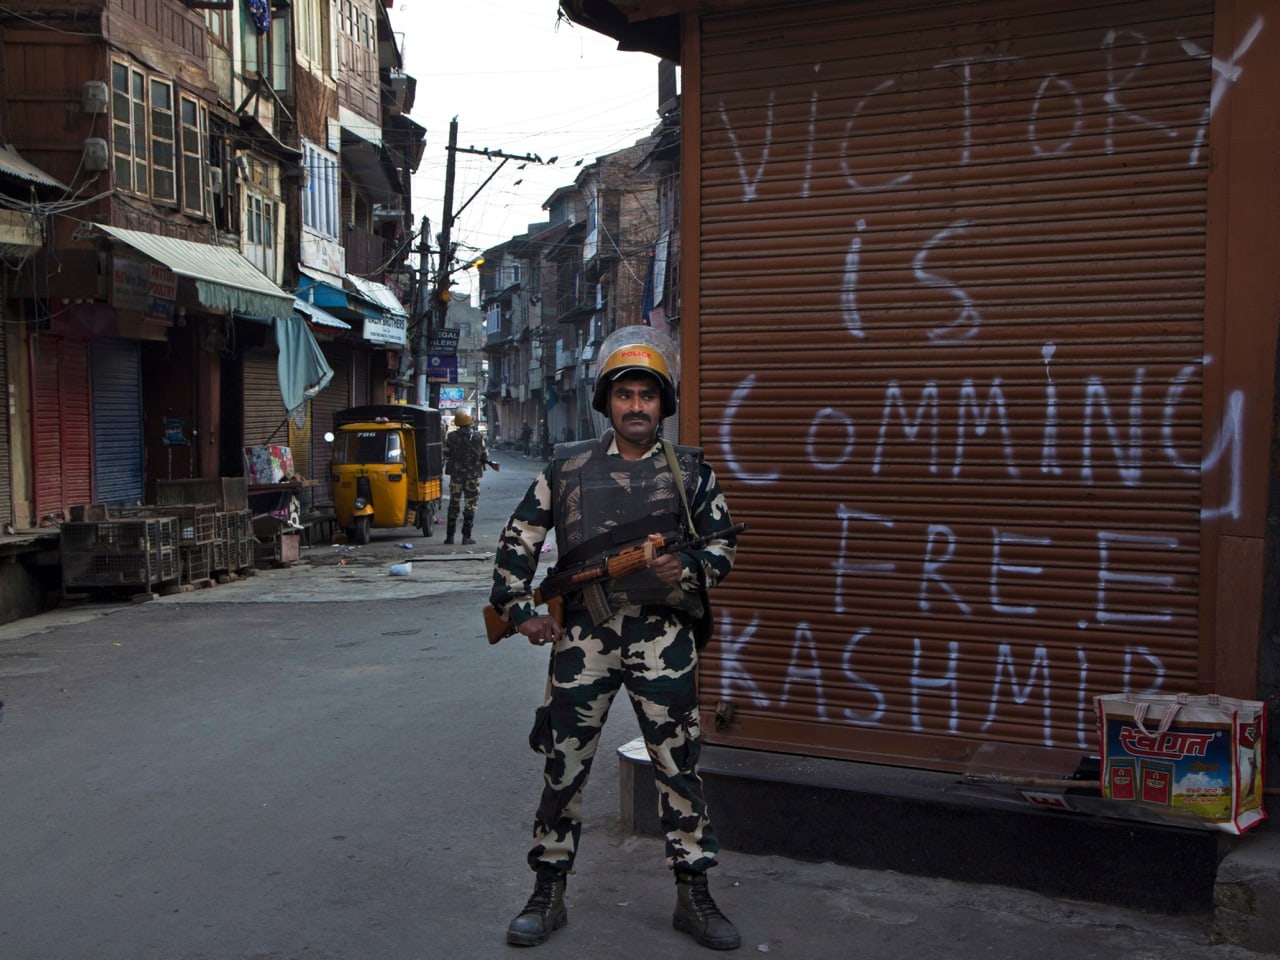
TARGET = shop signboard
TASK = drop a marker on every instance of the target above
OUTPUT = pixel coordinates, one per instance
(444, 343)
(146, 288)
(442, 369)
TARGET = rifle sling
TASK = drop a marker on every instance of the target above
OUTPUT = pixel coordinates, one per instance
(670, 451)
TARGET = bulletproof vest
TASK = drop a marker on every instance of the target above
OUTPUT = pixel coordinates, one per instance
(603, 504)
(465, 450)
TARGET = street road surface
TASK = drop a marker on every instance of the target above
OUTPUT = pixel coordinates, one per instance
(330, 763)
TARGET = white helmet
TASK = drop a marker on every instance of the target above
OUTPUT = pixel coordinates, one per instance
(637, 349)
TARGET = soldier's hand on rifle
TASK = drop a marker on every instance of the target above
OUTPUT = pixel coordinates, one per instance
(541, 629)
(668, 568)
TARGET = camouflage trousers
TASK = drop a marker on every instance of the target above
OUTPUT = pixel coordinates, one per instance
(464, 495)
(653, 658)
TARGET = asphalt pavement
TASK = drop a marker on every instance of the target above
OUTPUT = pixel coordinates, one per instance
(328, 762)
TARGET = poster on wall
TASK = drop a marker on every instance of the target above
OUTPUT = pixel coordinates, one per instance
(451, 397)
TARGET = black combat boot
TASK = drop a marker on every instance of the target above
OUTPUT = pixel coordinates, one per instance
(697, 914)
(544, 913)
(466, 530)
(448, 532)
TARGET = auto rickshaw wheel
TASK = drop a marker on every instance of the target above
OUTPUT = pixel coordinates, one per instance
(426, 519)
(360, 530)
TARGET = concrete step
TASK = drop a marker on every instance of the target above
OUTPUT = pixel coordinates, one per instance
(937, 825)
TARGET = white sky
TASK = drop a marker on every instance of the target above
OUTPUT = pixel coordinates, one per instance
(519, 83)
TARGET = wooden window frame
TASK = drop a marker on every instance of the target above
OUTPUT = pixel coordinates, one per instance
(193, 139)
(315, 32)
(321, 200)
(162, 120)
(130, 141)
(260, 212)
(218, 22)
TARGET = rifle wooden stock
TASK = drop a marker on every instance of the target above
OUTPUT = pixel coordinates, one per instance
(498, 627)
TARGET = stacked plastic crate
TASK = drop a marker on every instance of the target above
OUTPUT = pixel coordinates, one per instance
(134, 553)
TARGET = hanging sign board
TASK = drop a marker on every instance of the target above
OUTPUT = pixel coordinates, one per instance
(386, 328)
(444, 343)
(442, 369)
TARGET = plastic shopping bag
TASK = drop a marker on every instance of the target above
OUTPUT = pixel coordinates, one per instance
(1201, 755)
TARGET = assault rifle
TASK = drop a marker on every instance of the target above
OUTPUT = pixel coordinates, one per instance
(621, 564)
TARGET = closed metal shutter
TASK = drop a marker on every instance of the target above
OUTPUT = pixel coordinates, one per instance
(264, 412)
(360, 381)
(6, 464)
(118, 467)
(951, 355)
(61, 450)
(336, 396)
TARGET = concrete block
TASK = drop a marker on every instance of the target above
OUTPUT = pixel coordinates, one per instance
(1246, 893)
(932, 824)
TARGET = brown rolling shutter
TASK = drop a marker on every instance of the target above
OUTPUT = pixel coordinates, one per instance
(264, 412)
(950, 340)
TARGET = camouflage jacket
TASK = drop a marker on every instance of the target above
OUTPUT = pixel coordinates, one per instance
(465, 453)
(520, 546)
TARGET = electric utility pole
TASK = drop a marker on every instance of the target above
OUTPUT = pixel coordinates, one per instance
(421, 308)
(440, 294)
(428, 387)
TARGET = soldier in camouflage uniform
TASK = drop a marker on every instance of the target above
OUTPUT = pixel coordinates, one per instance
(600, 496)
(465, 457)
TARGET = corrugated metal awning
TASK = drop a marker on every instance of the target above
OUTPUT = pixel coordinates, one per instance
(332, 294)
(321, 318)
(15, 166)
(224, 279)
(379, 294)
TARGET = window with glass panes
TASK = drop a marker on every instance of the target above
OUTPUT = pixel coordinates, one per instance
(129, 127)
(196, 191)
(260, 232)
(313, 31)
(218, 22)
(255, 47)
(164, 185)
(320, 195)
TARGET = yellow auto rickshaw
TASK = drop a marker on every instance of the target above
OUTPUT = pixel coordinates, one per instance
(387, 467)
